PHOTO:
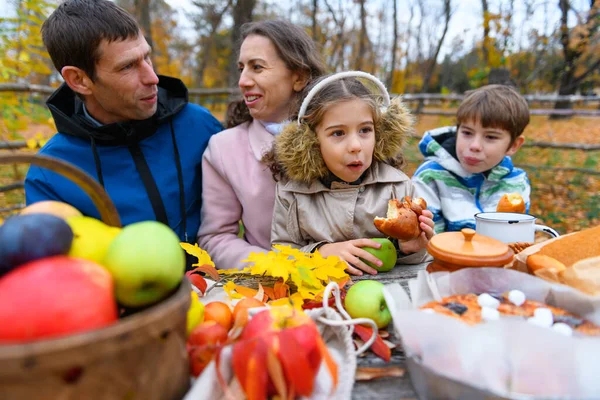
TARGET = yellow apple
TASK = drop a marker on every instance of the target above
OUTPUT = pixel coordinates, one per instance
(91, 238)
(58, 208)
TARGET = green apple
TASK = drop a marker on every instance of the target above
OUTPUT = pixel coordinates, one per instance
(365, 300)
(146, 262)
(386, 253)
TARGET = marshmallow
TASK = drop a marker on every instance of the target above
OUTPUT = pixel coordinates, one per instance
(563, 329)
(485, 300)
(545, 315)
(489, 314)
(516, 297)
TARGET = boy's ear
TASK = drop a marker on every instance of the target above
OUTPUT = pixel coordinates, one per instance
(515, 146)
(77, 80)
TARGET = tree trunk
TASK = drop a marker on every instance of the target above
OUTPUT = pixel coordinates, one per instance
(315, 8)
(486, 32)
(214, 18)
(390, 80)
(242, 13)
(433, 61)
(362, 38)
(408, 41)
(142, 8)
(568, 71)
(569, 81)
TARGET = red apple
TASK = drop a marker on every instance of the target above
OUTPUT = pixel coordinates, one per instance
(207, 333)
(200, 357)
(55, 296)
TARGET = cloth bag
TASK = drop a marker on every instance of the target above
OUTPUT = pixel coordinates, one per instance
(336, 330)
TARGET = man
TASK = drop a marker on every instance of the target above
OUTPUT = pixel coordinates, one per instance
(132, 130)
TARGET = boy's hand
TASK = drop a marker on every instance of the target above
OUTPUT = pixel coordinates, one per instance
(351, 251)
(427, 224)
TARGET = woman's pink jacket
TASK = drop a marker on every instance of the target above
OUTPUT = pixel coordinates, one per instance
(236, 186)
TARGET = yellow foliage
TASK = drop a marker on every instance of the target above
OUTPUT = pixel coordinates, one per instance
(200, 254)
(23, 58)
(310, 272)
(32, 144)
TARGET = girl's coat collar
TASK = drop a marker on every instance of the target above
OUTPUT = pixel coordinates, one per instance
(379, 172)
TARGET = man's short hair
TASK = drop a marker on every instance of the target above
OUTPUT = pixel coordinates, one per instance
(73, 32)
(495, 106)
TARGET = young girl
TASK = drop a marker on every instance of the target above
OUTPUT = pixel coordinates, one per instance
(337, 168)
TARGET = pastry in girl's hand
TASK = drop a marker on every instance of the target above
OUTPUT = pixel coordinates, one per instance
(402, 220)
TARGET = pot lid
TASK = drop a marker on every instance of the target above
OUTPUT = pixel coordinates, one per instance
(469, 249)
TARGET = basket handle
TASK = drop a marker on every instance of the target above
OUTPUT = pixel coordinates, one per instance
(107, 209)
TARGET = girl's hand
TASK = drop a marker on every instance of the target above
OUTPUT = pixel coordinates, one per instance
(351, 251)
(427, 224)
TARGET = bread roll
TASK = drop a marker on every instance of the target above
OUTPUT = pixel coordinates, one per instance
(511, 202)
(538, 261)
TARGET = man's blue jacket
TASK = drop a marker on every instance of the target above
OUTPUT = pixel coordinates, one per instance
(151, 169)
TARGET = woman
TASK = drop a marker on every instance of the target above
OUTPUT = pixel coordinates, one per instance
(277, 60)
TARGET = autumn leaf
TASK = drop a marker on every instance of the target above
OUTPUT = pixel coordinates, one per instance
(200, 254)
(207, 269)
(230, 288)
(378, 347)
(197, 280)
(280, 290)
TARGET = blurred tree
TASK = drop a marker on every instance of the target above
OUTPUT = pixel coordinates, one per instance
(242, 13)
(23, 59)
(390, 79)
(207, 23)
(142, 11)
(335, 50)
(486, 33)
(363, 38)
(581, 51)
(314, 13)
(432, 62)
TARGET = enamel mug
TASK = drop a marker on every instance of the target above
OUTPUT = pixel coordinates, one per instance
(510, 227)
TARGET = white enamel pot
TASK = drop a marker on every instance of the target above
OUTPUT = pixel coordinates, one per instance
(510, 227)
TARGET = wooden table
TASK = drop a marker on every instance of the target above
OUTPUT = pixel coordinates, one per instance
(393, 387)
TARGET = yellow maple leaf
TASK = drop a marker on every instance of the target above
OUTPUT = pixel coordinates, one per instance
(200, 254)
(310, 292)
(230, 289)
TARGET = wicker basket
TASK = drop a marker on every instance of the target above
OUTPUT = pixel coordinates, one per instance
(142, 356)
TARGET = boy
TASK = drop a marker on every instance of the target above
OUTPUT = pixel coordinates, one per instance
(468, 167)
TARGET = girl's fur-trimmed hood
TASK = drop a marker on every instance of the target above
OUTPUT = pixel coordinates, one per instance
(298, 153)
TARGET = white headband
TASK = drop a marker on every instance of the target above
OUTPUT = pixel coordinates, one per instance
(341, 75)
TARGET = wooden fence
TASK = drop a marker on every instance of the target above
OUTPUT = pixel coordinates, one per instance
(428, 98)
(223, 95)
